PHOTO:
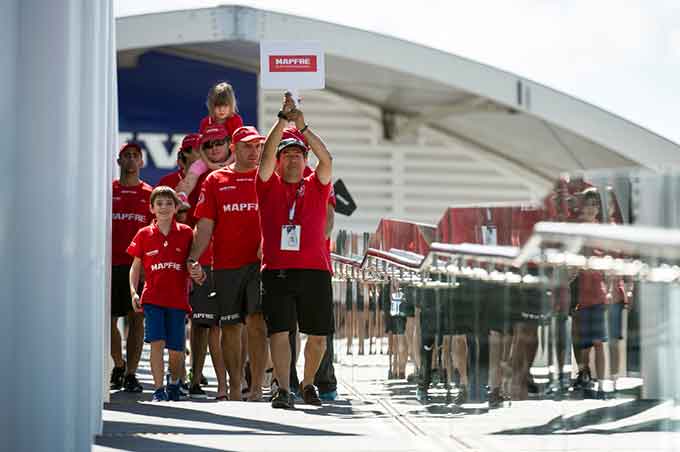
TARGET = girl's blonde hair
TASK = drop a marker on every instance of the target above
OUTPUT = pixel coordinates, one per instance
(221, 93)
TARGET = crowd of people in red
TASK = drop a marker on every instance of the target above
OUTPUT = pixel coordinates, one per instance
(234, 246)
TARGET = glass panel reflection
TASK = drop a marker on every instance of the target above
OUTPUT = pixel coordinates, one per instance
(562, 334)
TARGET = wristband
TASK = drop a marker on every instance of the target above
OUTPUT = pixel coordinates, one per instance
(304, 129)
(198, 167)
(282, 115)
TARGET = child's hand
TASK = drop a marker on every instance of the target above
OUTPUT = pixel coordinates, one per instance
(196, 272)
(136, 305)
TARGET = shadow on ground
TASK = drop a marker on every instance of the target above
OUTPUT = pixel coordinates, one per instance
(576, 425)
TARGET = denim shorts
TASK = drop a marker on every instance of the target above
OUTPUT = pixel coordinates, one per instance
(616, 321)
(165, 324)
(592, 325)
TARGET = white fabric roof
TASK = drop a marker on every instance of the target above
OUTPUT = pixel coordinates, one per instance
(524, 129)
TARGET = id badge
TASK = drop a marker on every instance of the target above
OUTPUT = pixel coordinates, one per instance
(290, 237)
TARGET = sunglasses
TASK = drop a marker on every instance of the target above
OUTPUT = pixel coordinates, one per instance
(187, 150)
(211, 144)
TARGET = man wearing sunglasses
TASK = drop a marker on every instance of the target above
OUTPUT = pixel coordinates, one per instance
(228, 212)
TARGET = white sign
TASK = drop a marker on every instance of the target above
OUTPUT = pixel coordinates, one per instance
(293, 65)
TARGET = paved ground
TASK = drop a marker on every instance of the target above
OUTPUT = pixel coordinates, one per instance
(373, 414)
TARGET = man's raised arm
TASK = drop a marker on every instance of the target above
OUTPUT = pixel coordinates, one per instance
(268, 159)
(324, 170)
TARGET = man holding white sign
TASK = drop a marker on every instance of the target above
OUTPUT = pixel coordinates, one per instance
(296, 272)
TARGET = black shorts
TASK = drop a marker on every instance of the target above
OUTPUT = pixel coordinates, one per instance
(202, 302)
(121, 302)
(237, 294)
(372, 299)
(297, 296)
(349, 294)
(360, 295)
(431, 318)
(495, 306)
(408, 306)
(464, 312)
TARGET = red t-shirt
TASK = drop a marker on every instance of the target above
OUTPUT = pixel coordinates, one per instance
(171, 180)
(130, 212)
(228, 198)
(276, 198)
(232, 123)
(592, 287)
(166, 280)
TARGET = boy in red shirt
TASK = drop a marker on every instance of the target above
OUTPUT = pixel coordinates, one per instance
(162, 249)
(591, 308)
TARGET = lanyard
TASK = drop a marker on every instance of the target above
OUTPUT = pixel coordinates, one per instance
(291, 210)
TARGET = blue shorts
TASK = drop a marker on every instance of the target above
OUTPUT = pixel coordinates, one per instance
(616, 321)
(165, 324)
(592, 325)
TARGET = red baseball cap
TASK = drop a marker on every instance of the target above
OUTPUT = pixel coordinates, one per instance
(214, 132)
(291, 137)
(246, 134)
(130, 144)
(192, 140)
(292, 132)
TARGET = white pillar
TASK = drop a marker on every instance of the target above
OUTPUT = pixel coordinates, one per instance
(659, 304)
(57, 121)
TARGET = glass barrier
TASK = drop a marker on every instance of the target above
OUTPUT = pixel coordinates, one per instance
(542, 326)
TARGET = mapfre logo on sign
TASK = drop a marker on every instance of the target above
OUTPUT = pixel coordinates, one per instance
(292, 63)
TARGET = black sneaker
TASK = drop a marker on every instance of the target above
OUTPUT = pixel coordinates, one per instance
(283, 399)
(197, 393)
(131, 384)
(532, 387)
(582, 380)
(117, 378)
(495, 398)
(462, 396)
(422, 395)
(310, 396)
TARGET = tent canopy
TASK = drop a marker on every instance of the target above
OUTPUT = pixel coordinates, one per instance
(524, 129)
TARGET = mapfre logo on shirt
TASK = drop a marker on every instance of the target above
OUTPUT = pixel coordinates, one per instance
(166, 266)
(119, 216)
(240, 207)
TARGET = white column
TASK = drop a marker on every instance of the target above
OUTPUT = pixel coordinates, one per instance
(59, 75)
(659, 303)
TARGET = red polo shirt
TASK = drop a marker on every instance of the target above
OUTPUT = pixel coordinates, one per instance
(171, 180)
(166, 280)
(232, 123)
(228, 198)
(130, 212)
(275, 198)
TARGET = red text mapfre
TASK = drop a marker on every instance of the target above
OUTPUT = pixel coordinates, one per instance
(292, 63)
